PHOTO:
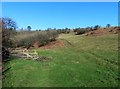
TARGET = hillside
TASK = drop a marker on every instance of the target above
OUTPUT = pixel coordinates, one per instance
(88, 61)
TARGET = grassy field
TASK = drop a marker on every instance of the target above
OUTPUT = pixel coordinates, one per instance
(84, 61)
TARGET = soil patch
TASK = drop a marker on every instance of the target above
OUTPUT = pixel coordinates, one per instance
(56, 43)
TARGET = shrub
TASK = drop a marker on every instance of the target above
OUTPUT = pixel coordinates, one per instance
(52, 35)
(96, 27)
(74, 30)
(66, 31)
(27, 39)
(81, 31)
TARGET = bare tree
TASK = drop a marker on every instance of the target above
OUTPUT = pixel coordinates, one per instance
(8, 27)
(9, 24)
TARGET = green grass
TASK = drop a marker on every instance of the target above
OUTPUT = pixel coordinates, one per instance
(84, 61)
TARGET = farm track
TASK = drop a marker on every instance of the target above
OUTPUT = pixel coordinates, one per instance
(69, 43)
(103, 58)
(97, 58)
(102, 61)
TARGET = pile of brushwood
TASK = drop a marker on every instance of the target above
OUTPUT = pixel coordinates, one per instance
(27, 54)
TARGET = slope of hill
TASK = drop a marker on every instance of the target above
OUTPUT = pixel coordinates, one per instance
(83, 61)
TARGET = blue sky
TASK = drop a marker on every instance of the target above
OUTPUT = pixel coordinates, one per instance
(43, 15)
